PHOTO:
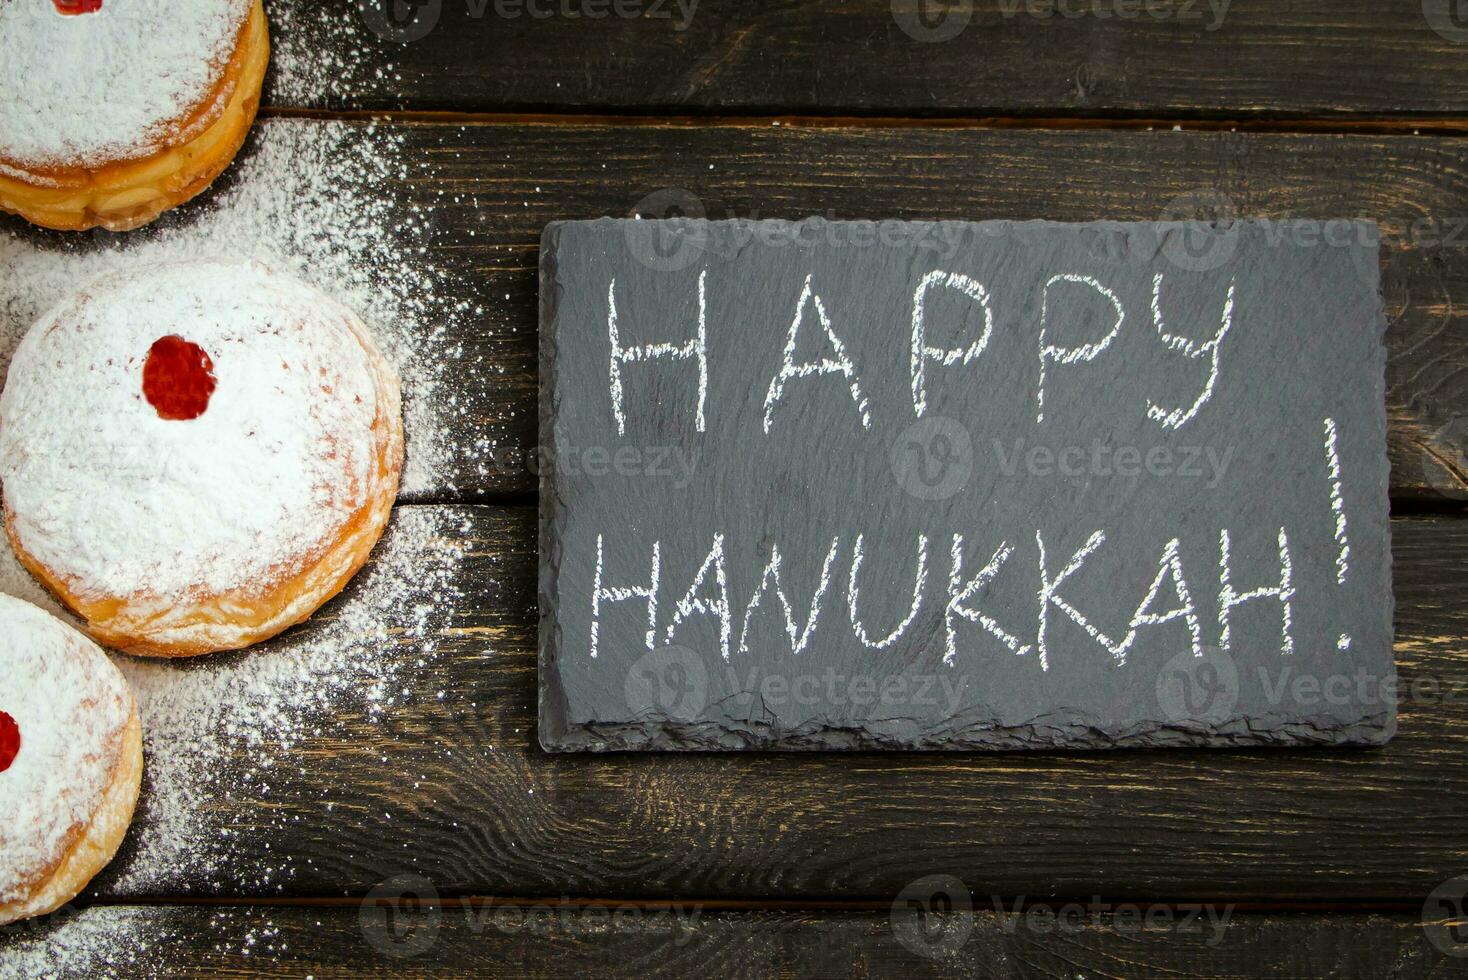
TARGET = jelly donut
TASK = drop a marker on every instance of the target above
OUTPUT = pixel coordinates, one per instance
(71, 761)
(196, 456)
(115, 111)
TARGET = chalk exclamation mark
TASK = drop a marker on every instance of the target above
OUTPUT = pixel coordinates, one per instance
(1338, 508)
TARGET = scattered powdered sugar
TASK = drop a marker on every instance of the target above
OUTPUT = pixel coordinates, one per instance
(71, 708)
(280, 460)
(60, 74)
(142, 941)
(224, 727)
(98, 942)
(323, 56)
(317, 200)
(229, 727)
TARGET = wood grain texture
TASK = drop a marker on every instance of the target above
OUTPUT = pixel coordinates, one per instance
(596, 939)
(450, 785)
(496, 186)
(1240, 59)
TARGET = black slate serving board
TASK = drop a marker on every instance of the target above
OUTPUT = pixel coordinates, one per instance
(839, 485)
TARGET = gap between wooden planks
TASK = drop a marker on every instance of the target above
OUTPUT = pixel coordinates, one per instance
(1300, 125)
(397, 939)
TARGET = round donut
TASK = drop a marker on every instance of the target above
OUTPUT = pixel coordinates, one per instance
(115, 111)
(196, 456)
(71, 761)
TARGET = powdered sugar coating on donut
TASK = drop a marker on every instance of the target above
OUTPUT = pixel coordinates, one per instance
(94, 88)
(72, 707)
(121, 503)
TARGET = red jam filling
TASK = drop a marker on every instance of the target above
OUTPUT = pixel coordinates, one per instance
(73, 7)
(178, 378)
(9, 741)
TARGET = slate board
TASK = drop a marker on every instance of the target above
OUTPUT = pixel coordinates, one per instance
(1017, 497)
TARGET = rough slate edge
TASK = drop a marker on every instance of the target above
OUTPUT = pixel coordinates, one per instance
(667, 735)
(551, 724)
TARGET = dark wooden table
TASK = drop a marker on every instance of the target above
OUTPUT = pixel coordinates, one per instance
(791, 865)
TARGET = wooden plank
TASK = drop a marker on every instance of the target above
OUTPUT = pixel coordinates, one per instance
(1239, 59)
(495, 186)
(447, 782)
(607, 939)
